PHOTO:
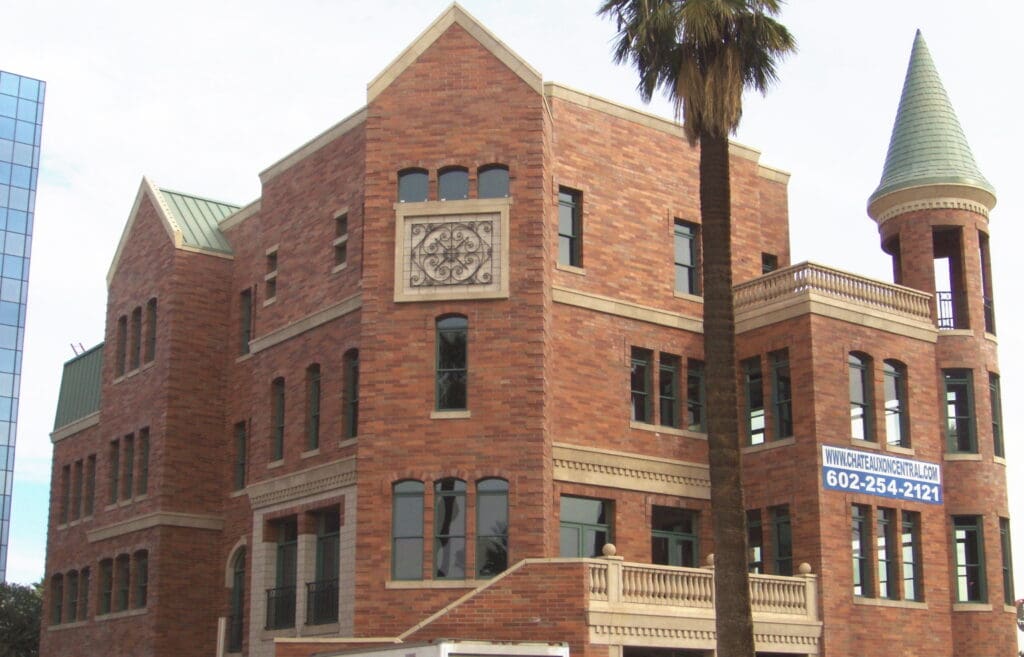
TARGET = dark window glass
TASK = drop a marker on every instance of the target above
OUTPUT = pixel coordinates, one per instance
(106, 586)
(686, 240)
(695, 420)
(350, 411)
(570, 227)
(236, 622)
(90, 484)
(1007, 554)
(83, 594)
(755, 542)
(122, 344)
(959, 412)
(782, 539)
(860, 396)
(995, 399)
(341, 240)
(115, 469)
(128, 446)
(674, 537)
(150, 352)
(585, 526)
(453, 184)
(491, 527)
(910, 542)
(452, 370)
(65, 492)
(860, 542)
(897, 420)
(313, 407)
(241, 454)
(56, 599)
(245, 321)
(668, 390)
(969, 557)
(492, 181)
(322, 593)
(71, 602)
(141, 578)
(136, 339)
(281, 598)
(753, 386)
(640, 364)
(450, 529)
(782, 393)
(277, 420)
(885, 553)
(142, 483)
(412, 185)
(407, 530)
(769, 263)
(122, 582)
(76, 490)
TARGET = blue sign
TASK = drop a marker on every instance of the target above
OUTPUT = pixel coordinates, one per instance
(855, 471)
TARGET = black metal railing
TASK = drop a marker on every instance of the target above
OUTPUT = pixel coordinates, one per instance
(281, 607)
(234, 633)
(947, 315)
(322, 602)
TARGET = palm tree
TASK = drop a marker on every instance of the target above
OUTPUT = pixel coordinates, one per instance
(702, 54)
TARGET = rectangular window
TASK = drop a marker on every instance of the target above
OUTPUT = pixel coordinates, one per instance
(240, 455)
(150, 351)
(640, 365)
(695, 420)
(860, 542)
(322, 593)
(407, 530)
(584, 526)
(674, 537)
(106, 586)
(910, 541)
(122, 582)
(65, 493)
(885, 553)
(122, 345)
(755, 542)
(782, 539)
(686, 238)
(340, 240)
(83, 594)
(244, 321)
(71, 611)
(56, 599)
(277, 420)
(861, 414)
(115, 469)
(142, 485)
(491, 527)
(969, 556)
(312, 407)
(1007, 553)
(754, 391)
(668, 390)
(769, 263)
(995, 399)
(281, 598)
(782, 393)
(141, 579)
(270, 278)
(570, 227)
(90, 484)
(897, 425)
(452, 363)
(960, 434)
(128, 446)
(76, 490)
(135, 352)
(450, 529)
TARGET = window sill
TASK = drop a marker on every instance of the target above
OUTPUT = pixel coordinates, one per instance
(696, 298)
(753, 449)
(237, 493)
(321, 629)
(865, 444)
(967, 333)
(67, 626)
(270, 301)
(310, 453)
(972, 606)
(283, 632)
(243, 357)
(275, 464)
(432, 584)
(337, 268)
(896, 449)
(1009, 608)
(450, 415)
(671, 431)
(1001, 460)
(571, 269)
(348, 442)
(957, 456)
(114, 615)
(888, 602)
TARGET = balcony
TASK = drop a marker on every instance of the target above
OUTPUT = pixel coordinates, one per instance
(322, 602)
(280, 608)
(811, 288)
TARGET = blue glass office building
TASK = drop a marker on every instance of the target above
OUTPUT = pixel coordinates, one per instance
(21, 121)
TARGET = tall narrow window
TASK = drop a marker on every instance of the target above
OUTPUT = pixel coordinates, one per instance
(270, 278)
(407, 530)
(686, 239)
(910, 542)
(122, 345)
(350, 411)
(56, 599)
(313, 407)
(491, 527)
(860, 543)
(150, 351)
(570, 227)
(71, 606)
(83, 594)
(453, 184)
(141, 574)
(755, 542)
(281, 598)
(244, 320)
(341, 240)
(142, 485)
(860, 397)
(90, 485)
(959, 411)
(236, 621)
(986, 282)
(782, 393)
(1007, 554)
(584, 526)
(322, 593)
(668, 390)
(754, 389)
(135, 351)
(450, 529)
(106, 586)
(277, 419)
(995, 399)
(122, 582)
(76, 490)
(640, 365)
(452, 371)
(695, 418)
(885, 553)
(969, 557)
(897, 421)
(128, 481)
(782, 539)
(674, 537)
(65, 493)
(492, 181)
(115, 469)
(241, 454)
(412, 185)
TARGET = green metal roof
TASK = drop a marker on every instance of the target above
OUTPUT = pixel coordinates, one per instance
(928, 146)
(80, 387)
(198, 218)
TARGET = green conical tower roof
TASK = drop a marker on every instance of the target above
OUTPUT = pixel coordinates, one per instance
(928, 146)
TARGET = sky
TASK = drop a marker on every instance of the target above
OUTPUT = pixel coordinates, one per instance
(202, 95)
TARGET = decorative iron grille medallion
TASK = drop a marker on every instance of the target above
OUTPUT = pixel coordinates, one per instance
(451, 253)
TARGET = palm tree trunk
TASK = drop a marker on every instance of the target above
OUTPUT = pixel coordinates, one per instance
(733, 617)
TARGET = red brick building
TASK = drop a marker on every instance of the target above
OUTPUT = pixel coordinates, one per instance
(455, 348)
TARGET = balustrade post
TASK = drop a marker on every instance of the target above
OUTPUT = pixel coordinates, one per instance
(614, 573)
(811, 590)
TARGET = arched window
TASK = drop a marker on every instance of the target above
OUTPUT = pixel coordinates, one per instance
(450, 529)
(453, 184)
(135, 352)
(412, 185)
(350, 411)
(122, 582)
(106, 586)
(452, 371)
(150, 351)
(861, 414)
(313, 406)
(141, 581)
(122, 344)
(492, 181)
(277, 419)
(491, 527)
(407, 530)
(56, 599)
(236, 621)
(71, 603)
(897, 421)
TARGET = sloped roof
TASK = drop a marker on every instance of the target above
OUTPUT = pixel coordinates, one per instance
(928, 146)
(80, 387)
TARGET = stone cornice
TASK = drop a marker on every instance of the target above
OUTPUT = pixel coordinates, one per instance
(156, 519)
(601, 467)
(304, 483)
(626, 309)
(311, 321)
(71, 428)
